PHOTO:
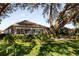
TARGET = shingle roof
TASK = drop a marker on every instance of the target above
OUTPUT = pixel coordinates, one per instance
(27, 23)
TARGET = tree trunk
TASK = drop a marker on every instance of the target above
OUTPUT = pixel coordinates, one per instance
(57, 25)
(51, 29)
(4, 8)
(51, 20)
(64, 21)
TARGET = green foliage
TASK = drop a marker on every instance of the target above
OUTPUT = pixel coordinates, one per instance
(15, 49)
(35, 51)
(37, 45)
(9, 38)
(59, 49)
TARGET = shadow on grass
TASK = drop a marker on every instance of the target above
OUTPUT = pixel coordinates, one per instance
(68, 48)
(15, 49)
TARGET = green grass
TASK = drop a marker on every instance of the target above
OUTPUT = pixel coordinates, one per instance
(16, 49)
(38, 47)
(60, 48)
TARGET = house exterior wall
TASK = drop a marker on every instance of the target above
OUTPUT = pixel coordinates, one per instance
(25, 30)
(26, 27)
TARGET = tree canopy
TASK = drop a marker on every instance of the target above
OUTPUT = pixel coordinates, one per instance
(49, 9)
(69, 13)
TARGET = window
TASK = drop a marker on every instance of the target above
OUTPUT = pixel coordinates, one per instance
(37, 31)
(33, 30)
(22, 31)
(18, 31)
(26, 31)
(41, 30)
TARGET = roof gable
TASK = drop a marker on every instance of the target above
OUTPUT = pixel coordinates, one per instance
(26, 24)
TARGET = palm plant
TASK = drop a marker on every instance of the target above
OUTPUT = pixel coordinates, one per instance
(49, 9)
(69, 14)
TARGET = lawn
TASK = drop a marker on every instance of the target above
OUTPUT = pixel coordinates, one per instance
(38, 47)
(60, 48)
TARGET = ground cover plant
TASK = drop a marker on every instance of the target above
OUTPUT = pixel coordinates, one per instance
(41, 45)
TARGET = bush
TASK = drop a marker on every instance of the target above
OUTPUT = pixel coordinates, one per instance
(19, 37)
(9, 38)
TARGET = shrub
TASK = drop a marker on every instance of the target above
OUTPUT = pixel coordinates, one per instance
(9, 38)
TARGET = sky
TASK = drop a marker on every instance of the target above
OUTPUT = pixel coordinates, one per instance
(21, 15)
